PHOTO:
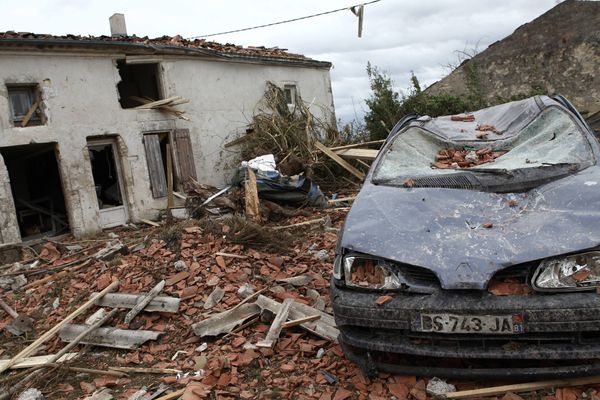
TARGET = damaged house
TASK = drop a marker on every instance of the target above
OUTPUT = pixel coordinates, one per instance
(80, 148)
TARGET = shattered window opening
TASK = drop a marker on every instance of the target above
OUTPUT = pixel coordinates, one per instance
(551, 138)
(22, 99)
(138, 80)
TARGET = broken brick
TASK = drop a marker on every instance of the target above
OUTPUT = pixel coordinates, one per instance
(342, 394)
(399, 390)
(511, 396)
(381, 300)
(508, 288)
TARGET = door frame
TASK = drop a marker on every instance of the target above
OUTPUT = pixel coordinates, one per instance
(112, 142)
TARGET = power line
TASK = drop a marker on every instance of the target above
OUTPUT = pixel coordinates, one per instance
(284, 22)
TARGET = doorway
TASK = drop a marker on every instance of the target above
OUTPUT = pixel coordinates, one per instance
(37, 189)
(108, 182)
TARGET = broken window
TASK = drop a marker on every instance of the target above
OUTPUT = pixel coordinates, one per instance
(138, 81)
(37, 189)
(290, 94)
(156, 157)
(25, 101)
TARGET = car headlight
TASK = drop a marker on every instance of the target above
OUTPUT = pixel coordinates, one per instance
(576, 272)
(369, 273)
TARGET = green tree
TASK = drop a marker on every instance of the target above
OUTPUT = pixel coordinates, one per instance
(383, 104)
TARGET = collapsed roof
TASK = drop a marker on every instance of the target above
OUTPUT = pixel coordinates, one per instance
(171, 45)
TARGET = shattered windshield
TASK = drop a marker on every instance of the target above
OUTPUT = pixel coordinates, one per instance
(552, 138)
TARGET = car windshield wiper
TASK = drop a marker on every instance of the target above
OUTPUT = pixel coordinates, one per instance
(494, 171)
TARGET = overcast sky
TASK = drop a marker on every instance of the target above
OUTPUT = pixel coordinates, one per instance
(398, 36)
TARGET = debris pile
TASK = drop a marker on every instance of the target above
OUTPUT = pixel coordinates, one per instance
(464, 158)
(296, 136)
(203, 314)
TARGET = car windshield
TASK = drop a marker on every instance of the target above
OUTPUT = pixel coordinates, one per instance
(552, 138)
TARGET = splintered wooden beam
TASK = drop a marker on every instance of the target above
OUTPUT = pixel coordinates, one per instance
(354, 145)
(300, 321)
(29, 114)
(36, 361)
(46, 336)
(277, 325)
(144, 301)
(251, 196)
(344, 164)
(358, 154)
(323, 327)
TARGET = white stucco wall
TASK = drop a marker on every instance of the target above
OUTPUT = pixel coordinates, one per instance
(81, 100)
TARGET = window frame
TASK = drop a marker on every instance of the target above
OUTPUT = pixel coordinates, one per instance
(33, 93)
(134, 63)
(293, 88)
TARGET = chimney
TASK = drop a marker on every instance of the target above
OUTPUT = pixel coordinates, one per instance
(117, 25)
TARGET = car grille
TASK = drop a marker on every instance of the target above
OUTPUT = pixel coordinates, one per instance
(519, 272)
(418, 275)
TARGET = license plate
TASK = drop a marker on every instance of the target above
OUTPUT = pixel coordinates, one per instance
(488, 324)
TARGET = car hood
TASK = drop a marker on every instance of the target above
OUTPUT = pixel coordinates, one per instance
(443, 229)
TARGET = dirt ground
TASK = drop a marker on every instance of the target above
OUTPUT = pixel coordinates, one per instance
(300, 366)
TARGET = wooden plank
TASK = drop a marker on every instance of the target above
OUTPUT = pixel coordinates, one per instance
(341, 200)
(351, 146)
(169, 184)
(251, 196)
(339, 160)
(144, 301)
(36, 361)
(97, 371)
(300, 321)
(304, 223)
(156, 171)
(230, 255)
(140, 370)
(129, 300)
(359, 154)
(185, 155)
(172, 395)
(33, 346)
(148, 222)
(109, 337)
(523, 387)
(277, 324)
(323, 327)
(157, 103)
(29, 114)
(8, 309)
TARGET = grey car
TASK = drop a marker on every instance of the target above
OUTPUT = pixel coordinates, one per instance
(473, 247)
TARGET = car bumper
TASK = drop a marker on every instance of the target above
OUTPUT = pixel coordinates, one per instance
(563, 327)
